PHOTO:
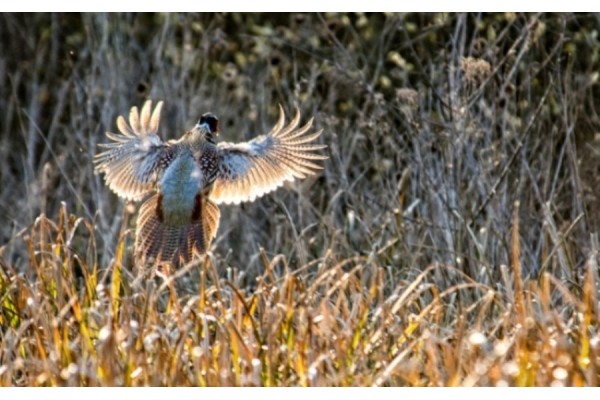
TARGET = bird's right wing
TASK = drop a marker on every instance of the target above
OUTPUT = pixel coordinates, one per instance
(251, 169)
(134, 158)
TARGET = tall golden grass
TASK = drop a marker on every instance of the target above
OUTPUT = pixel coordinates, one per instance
(331, 322)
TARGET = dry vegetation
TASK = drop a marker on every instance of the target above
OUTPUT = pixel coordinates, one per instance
(450, 240)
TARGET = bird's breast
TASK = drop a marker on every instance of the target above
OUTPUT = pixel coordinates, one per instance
(181, 182)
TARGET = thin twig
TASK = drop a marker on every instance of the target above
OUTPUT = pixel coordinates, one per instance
(512, 158)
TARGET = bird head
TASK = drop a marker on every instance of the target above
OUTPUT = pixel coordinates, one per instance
(208, 125)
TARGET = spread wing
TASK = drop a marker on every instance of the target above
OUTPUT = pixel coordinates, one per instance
(249, 170)
(133, 159)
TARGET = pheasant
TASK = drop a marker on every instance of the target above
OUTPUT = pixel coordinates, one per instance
(188, 177)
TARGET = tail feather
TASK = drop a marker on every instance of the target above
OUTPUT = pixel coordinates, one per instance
(158, 241)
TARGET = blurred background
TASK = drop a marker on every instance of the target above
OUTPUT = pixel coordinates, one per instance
(437, 124)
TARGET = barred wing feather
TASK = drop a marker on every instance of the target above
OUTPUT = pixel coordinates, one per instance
(133, 159)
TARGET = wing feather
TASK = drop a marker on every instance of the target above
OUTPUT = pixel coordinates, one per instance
(145, 117)
(251, 169)
(155, 119)
(134, 120)
(124, 127)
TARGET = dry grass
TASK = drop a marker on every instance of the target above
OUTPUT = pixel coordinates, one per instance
(450, 240)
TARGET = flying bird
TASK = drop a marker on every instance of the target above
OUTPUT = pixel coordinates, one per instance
(184, 180)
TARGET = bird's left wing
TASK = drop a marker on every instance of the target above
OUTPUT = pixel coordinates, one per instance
(134, 158)
(251, 169)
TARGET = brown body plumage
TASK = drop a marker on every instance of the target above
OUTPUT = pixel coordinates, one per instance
(193, 174)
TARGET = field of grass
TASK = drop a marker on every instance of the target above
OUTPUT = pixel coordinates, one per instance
(451, 238)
